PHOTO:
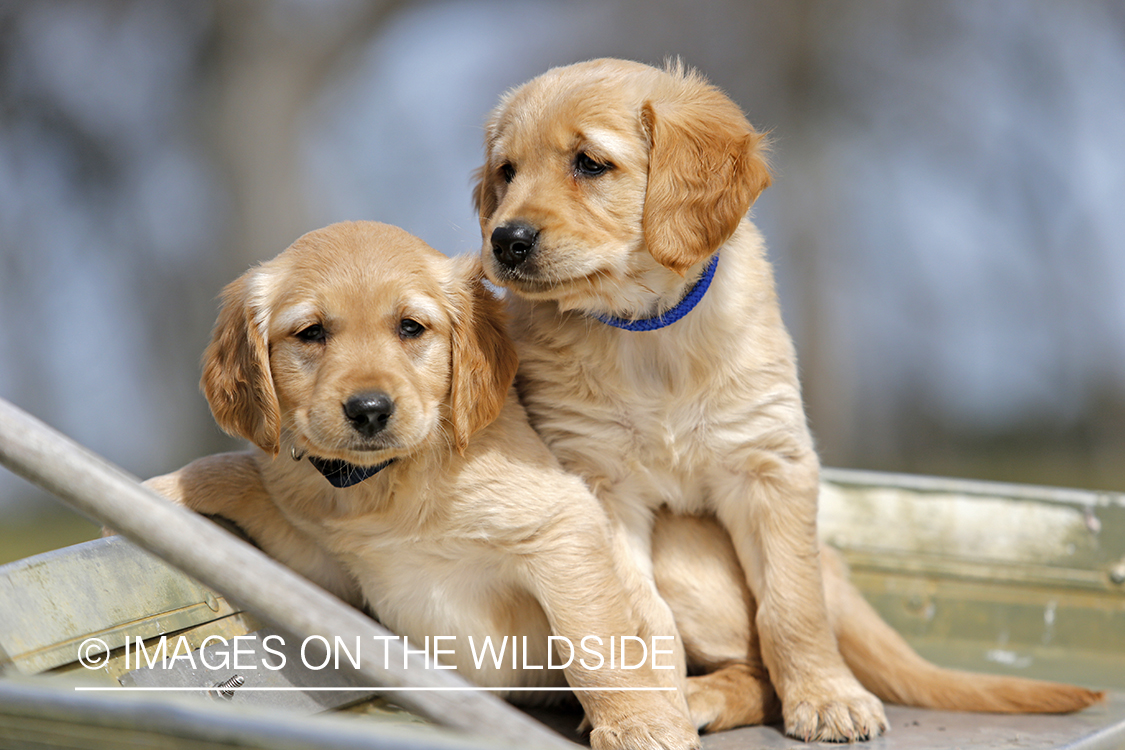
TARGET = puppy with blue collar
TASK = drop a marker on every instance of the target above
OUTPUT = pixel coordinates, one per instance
(655, 364)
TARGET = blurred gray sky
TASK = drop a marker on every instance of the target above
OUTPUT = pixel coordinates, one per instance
(946, 216)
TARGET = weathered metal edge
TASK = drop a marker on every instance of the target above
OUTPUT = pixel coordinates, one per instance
(932, 484)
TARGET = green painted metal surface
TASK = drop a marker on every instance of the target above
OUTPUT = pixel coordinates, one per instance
(992, 577)
(104, 589)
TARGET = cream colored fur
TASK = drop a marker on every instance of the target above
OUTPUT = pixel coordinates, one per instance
(474, 530)
(626, 180)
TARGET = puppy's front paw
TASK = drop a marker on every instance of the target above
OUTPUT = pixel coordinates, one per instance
(630, 734)
(833, 710)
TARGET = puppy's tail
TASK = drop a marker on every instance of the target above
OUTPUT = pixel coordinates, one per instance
(887, 666)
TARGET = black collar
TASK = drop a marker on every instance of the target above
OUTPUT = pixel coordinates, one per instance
(343, 474)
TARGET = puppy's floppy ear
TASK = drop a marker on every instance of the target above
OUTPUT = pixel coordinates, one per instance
(484, 192)
(706, 167)
(484, 186)
(484, 357)
(236, 369)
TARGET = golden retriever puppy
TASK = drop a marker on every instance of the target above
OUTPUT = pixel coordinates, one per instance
(655, 365)
(373, 374)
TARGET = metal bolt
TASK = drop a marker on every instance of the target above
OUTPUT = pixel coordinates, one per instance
(225, 689)
(1117, 572)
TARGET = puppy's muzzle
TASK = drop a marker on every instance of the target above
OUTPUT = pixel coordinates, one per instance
(368, 413)
(513, 243)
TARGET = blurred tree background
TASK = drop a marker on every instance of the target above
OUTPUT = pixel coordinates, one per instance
(945, 221)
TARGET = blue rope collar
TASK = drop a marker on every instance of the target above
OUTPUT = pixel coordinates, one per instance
(670, 316)
(343, 474)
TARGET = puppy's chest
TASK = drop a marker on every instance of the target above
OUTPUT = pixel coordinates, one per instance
(675, 421)
(642, 443)
(649, 425)
(671, 435)
(408, 572)
(442, 586)
(416, 590)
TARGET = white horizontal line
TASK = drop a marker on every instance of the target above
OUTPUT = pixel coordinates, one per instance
(247, 688)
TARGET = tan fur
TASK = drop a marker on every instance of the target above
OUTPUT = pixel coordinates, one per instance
(236, 376)
(474, 530)
(705, 169)
(698, 574)
(703, 417)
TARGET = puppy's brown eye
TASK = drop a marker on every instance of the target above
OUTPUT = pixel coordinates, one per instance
(507, 171)
(410, 329)
(314, 334)
(587, 166)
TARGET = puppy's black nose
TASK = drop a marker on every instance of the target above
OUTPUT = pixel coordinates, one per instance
(369, 412)
(512, 243)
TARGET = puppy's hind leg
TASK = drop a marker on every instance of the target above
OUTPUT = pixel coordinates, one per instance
(736, 695)
(698, 574)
